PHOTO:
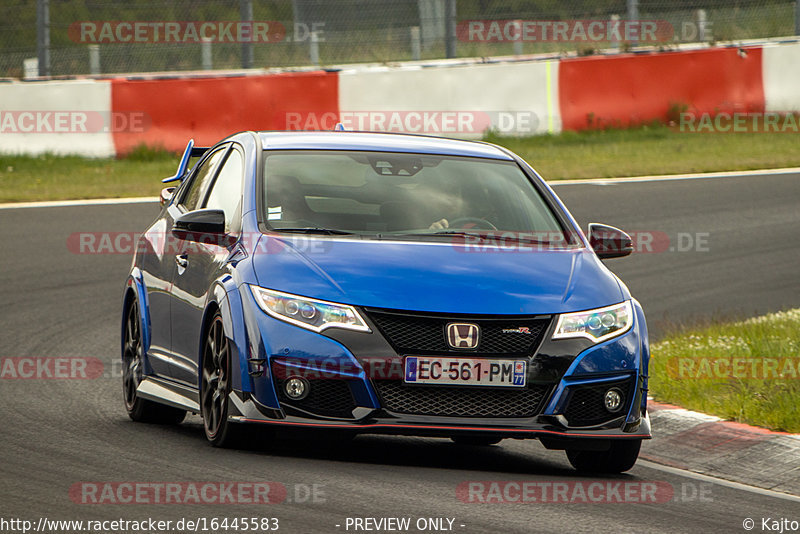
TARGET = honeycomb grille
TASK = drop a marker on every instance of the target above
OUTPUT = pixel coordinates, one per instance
(425, 334)
(586, 406)
(461, 401)
(329, 398)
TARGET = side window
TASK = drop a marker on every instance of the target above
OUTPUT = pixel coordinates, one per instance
(226, 193)
(200, 181)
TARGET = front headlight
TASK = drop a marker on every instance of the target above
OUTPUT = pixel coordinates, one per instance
(316, 315)
(596, 325)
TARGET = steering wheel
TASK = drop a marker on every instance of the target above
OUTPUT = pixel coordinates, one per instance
(477, 222)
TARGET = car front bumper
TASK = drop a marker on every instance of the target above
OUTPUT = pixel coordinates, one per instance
(569, 374)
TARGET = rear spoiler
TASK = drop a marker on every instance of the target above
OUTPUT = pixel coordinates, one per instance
(190, 152)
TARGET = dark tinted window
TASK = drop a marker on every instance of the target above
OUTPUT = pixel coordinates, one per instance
(226, 194)
(200, 180)
(374, 192)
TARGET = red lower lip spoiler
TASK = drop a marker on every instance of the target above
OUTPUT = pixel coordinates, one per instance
(438, 427)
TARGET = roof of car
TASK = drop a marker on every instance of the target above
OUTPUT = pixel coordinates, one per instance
(383, 142)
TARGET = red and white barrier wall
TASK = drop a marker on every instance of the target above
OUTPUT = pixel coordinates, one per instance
(781, 77)
(105, 118)
(629, 89)
(461, 100)
(208, 109)
(60, 117)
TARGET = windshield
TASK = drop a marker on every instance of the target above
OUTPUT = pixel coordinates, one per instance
(403, 195)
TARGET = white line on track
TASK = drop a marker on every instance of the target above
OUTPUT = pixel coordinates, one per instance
(68, 203)
(719, 481)
(552, 183)
(673, 177)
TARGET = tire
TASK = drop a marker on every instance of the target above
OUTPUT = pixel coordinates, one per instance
(140, 410)
(621, 456)
(215, 386)
(476, 441)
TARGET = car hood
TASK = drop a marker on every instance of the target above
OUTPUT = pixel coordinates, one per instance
(435, 276)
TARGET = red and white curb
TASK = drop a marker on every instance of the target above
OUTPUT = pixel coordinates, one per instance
(709, 445)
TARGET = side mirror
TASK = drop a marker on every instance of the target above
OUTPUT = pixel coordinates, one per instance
(609, 242)
(166, 195)
(202, 226)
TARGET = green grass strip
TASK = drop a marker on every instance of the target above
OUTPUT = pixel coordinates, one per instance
(746, 371)
(640, 151)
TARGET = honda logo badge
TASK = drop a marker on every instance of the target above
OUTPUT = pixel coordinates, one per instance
(463, 335)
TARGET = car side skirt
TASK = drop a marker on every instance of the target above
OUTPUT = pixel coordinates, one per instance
(169, 393)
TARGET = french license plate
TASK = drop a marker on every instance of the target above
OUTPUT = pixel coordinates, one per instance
(464, 371)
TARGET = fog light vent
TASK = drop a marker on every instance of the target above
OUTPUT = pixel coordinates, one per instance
(296, 388)
(613, 400)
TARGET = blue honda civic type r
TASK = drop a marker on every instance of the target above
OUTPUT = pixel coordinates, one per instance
(383, 283)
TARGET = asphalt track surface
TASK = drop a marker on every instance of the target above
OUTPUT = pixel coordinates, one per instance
(60, 432)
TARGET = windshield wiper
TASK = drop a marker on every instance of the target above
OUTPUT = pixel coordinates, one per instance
(494, 236)
(314, 230)
(458, 233)
(439, 233)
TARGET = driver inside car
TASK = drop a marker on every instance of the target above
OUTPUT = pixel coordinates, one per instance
(456, 203)
(446, 201)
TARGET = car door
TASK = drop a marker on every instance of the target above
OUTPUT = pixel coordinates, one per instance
(157, 266)
(187, 198)
(199, 264)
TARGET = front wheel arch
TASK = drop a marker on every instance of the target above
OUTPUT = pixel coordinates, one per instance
(130, 294)
(214, 393)
(208, 316)
(219, 301)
